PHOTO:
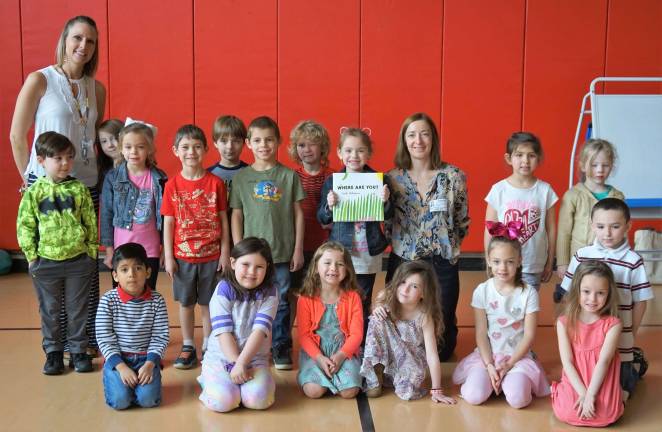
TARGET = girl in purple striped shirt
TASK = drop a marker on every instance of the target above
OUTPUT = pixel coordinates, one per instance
(235, 368)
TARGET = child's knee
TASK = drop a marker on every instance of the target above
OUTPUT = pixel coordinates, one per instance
(220, 398)
(518, 399)
(475, 395)
(349, 393)
(314, 391)
(119, 400)
(148, 396)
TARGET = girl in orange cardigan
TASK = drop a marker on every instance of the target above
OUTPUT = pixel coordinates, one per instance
(330, 321)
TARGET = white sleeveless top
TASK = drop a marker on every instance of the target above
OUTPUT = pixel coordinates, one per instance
(57, 112)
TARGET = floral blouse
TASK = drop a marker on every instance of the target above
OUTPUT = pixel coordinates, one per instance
(416, 231)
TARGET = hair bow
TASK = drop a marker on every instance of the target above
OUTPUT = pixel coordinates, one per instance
(511, 230)
(129, 121)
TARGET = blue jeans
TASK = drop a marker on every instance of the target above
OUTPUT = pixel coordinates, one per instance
(120, 396)
(281, 335)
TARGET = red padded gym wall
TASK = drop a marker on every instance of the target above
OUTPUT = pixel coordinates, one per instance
(564, 51)
(235, 62)
(318, 67)
(400, 68)
(11, 79)
(481, 95)
(151, 67)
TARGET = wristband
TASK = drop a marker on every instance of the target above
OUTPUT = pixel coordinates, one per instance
(229, 366)
(436, 391)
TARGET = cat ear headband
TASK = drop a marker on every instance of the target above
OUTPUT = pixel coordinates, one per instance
(512, 230)
(129, 121)
(365, 130)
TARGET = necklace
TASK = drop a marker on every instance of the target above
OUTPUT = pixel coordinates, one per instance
(80, 110)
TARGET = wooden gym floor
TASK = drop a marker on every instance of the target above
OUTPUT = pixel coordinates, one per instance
(31, 401)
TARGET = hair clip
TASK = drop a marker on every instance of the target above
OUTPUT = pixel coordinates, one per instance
(343, 129)
(511, 230)
(129, 121)
(367, 131)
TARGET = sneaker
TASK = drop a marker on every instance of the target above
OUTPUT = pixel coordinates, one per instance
(640, 360)
(54, 363)
(558, 294)
(187, 358)
(282, 358)
(80, 362)
(377, 391)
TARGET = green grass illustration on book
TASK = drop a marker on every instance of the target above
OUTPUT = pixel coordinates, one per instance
(359, 196)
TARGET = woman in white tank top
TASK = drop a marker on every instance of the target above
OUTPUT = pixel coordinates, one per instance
(64, 98)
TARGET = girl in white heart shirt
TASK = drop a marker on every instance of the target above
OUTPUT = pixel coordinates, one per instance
(505, 312)
(525, 199)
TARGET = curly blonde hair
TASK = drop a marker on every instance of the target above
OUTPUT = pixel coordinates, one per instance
(312, 131)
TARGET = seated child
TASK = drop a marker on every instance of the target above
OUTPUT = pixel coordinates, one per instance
(610, 221)
(401, 344)
(506, 314)
(589, 393)
(132, 332)
(235, 368)
(330, 325)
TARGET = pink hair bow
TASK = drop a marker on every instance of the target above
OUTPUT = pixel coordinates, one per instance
(511, 230)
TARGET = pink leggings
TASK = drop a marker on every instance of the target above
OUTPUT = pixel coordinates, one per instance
(220, 394)
(477, 388)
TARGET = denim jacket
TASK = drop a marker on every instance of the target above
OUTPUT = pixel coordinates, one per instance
(118, 201)
(343, 232)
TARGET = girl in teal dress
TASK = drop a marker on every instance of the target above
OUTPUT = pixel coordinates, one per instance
(330, 318)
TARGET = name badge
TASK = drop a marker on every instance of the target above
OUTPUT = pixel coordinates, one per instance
(439, 205)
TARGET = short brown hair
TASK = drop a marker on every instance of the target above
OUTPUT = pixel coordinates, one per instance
(228, 126)
(51, 144)
(264, 122)
(403, 158)
(190, 131)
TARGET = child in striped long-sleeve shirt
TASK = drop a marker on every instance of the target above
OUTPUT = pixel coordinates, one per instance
(235, 368)
(132, 332)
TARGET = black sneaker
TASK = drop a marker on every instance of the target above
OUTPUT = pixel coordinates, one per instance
(188, 358)
(558, 294)
(640, 360)
(54, 363)
(80, 362)
(282, 358)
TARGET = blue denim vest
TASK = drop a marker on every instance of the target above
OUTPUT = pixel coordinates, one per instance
(343, 232)
(118, 201)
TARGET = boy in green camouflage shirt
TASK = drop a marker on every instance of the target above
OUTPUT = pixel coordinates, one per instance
(57, 231)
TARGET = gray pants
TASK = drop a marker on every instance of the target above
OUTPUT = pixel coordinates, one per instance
(69, 278)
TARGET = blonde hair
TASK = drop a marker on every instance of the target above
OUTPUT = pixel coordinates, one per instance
(571, 305)
(312, 131)
(90, 68)
(147, 133)
(312, 283)
(591, 149)
(430, 304)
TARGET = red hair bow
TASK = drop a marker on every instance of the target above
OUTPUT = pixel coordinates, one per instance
(511, 230)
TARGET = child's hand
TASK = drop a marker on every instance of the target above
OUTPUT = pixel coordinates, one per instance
(380, 312)
(326, 364)
(162, 260)
(560, 271)
(171, 267)
(495, 379)
(503, 368)
(223, 262)
(386, 193)
(438, 396)
(585, 406)
(546, 273)
(145, 373)
(108, 260)
(240, 374)
(338, 359)
(332, 199)
(128, 376)
(297, 260)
